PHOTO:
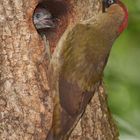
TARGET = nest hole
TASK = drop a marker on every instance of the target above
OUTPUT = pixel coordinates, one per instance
(59, 10)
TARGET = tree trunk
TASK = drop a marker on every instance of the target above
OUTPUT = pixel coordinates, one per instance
(25, 104)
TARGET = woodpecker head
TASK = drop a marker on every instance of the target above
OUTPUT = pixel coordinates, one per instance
(107, 4)
(43, 19)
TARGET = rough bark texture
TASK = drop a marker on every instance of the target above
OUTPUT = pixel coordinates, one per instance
(25, 103)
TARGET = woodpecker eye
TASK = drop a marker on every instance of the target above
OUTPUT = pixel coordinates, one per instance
(108, 3)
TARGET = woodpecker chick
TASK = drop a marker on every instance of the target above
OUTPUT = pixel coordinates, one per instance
(78, 71)
(42, 19)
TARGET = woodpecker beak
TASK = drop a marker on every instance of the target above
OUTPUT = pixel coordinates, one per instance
(103, 6)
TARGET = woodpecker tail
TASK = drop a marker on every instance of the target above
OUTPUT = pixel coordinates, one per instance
(64, 122)
(67, 124)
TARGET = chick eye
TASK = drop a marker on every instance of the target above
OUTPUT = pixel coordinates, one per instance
(38, 15)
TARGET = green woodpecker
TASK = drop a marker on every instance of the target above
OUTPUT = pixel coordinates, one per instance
(76, 68)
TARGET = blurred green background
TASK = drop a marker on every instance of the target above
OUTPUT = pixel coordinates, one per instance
(122, 76)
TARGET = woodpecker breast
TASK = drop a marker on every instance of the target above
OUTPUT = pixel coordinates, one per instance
(87, 45)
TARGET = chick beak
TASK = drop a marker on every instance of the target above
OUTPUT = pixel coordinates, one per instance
(48, 23)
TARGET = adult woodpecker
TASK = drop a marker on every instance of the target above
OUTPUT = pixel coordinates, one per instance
(76, 68)
(43, 19)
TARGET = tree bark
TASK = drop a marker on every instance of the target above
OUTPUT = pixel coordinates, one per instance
(25, 104)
